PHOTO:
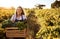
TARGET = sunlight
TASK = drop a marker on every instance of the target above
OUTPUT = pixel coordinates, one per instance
(24, 3)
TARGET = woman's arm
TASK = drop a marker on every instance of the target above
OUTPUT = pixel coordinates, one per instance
(13, 18)
(24, 17)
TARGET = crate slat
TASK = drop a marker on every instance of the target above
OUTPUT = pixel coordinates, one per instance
(14, 32)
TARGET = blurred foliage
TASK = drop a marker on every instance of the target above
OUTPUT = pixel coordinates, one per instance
(49, 20)
(40, 6)
(8, 23)
(45, 23)
(6, 13)
(56, 4)
(2, 34)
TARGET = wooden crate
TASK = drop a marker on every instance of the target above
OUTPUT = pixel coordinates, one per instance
(14, 32)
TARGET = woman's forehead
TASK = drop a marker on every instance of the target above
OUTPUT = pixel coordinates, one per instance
(18, 8)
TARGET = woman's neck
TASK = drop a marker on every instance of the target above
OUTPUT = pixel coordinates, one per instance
(18, 15)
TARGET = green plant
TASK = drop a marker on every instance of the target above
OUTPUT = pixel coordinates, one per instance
(21, 25)
(8, 23)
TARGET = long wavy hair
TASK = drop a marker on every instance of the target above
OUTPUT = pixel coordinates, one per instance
(22, 11)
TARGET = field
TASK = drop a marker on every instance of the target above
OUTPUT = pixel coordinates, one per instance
(47, 19)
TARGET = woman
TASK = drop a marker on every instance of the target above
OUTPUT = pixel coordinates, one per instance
(19, 15)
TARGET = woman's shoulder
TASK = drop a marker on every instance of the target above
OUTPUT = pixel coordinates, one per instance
(24, 16)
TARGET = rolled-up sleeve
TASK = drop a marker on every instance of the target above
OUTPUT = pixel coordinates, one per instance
(24, 17)
(13, 18)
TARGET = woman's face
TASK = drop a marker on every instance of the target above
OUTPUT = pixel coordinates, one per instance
(19, 11)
